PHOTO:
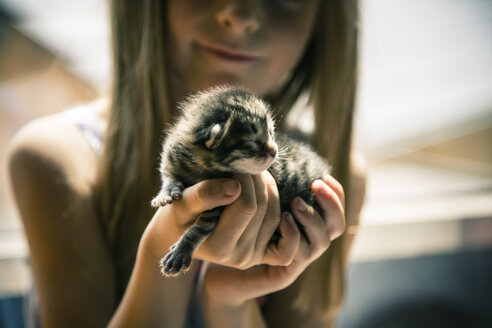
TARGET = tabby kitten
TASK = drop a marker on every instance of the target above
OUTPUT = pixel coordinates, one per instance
(220, 132)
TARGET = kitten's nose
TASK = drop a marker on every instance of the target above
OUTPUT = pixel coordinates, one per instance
(272, 148)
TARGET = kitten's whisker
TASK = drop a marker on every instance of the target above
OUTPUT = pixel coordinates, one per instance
(280, 157)
(282, 150)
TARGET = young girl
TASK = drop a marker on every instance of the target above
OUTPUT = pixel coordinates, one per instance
(83, 179)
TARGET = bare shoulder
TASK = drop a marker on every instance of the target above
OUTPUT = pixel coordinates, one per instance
(54, 144)
(51, 167)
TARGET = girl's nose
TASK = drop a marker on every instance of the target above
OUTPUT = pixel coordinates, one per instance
(239, 17)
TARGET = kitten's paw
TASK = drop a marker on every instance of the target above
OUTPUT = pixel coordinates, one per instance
(168, 194)
(161, 199)
(175, 262)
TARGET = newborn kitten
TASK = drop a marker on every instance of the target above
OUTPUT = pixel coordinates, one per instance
(220, 132)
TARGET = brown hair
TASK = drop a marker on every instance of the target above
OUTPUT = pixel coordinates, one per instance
(140, 109)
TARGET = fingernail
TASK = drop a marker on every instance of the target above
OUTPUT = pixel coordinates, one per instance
(316, 186)
(301, 205)
(230, 187)
(289, 217)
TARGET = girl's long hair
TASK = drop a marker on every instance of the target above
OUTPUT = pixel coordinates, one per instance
(140, 109)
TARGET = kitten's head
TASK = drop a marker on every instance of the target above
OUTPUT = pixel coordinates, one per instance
(236, 130)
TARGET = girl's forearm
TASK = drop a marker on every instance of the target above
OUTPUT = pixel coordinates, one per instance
(152, 300)
(245, 315)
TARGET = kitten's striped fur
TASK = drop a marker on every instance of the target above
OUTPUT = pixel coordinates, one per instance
(220, 132)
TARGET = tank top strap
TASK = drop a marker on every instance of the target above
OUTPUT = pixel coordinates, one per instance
(89, 123)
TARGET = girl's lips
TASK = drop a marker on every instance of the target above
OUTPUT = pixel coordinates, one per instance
(229, 54)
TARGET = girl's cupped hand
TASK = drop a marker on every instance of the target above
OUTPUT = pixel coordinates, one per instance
(283, 262)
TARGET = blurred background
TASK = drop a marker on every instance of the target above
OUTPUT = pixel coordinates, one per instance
(423, 254)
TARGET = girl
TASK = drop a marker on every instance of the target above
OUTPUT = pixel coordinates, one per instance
(95, 242)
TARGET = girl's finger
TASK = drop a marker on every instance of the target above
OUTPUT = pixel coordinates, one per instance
(285, 250)
(235, 217)
(313, 224)
(206, 195)
(336, 187)
(331, 206)
(271, 219)
(249, 236)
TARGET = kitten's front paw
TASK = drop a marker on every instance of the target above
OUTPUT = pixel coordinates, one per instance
(161, 200)
(175, 262)
(168, 194)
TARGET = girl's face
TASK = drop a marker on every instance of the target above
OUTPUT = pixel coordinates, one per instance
(250, 43)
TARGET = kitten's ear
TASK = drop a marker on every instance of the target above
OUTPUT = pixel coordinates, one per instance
(215, 132)
(213, 135)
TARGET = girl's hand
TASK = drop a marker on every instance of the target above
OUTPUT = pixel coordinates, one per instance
(241, 237)
(230, 287)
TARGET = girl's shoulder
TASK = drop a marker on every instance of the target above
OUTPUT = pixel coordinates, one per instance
(68, 143)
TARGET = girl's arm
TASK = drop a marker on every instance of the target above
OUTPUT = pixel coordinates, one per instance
(51, 174)
(150, 299)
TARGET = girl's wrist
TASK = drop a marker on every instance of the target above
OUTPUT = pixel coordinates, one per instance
(242, 314)
(159, 235)
(149, 296)
(220, 290)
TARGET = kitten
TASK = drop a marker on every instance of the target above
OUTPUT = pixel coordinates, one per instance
(220, 132)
